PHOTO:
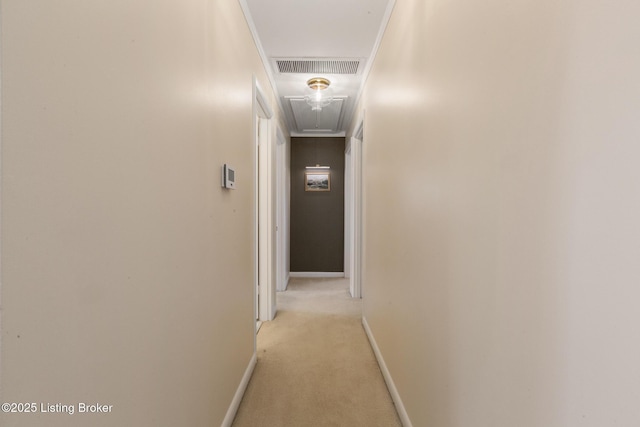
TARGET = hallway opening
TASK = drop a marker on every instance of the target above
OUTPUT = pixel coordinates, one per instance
(315, 365)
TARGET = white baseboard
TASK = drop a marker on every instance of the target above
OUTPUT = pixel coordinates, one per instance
(402, 412)
(285, 283)
(313, 274)
(237, 398)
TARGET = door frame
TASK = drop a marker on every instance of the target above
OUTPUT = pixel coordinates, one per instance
(283, 197)
(348, 210)
(353, 209)
(264, 293)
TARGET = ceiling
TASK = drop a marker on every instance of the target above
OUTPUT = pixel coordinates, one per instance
(301, 39)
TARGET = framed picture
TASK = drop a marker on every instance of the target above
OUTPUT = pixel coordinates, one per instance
(317, 181)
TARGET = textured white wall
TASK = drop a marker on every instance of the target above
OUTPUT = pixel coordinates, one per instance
(502, 197)
(127, 272)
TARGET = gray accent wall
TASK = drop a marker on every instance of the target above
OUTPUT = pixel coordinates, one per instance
(317, 218)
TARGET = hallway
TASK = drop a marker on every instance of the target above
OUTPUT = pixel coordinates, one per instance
(315, 366)
(493, 218)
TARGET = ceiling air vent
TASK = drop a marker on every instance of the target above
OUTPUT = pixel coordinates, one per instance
(318, 66)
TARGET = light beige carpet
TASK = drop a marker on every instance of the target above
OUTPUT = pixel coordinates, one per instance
(315, 366)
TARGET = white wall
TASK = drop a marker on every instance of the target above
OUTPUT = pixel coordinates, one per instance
(501, 262)
(127, 272)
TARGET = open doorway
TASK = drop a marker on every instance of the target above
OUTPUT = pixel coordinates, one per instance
(353, 211)
(264, 289)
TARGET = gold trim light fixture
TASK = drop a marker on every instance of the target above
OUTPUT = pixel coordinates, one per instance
(319, 93)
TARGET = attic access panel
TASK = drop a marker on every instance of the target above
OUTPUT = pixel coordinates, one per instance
(307, 120)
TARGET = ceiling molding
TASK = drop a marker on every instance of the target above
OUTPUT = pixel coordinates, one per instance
(263, 56)
(374, 52)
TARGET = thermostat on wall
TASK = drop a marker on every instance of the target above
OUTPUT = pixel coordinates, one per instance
(228, 177)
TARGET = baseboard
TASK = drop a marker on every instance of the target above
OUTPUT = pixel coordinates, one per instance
(285, 283)
(313, 274)
(237, 398)
(393, 391)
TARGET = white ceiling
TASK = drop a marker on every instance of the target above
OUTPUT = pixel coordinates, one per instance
(317, 30)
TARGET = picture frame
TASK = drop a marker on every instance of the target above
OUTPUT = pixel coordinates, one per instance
(317, 181)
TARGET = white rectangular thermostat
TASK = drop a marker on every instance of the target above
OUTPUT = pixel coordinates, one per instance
(228, 177)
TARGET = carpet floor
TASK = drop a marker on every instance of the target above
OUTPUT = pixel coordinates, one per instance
(315, 365)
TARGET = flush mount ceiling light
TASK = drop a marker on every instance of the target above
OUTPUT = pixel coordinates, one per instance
(320, 95)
